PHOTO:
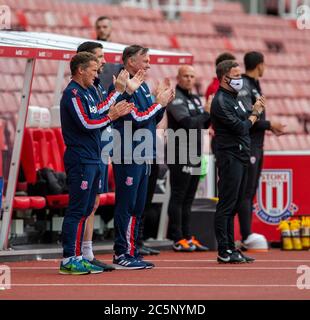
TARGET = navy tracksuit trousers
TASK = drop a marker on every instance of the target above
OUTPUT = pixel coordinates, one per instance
(131, 182)
(83, 184)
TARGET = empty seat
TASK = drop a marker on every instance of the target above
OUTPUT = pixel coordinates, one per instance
(33, 117)
(60, 141)
(21, 203)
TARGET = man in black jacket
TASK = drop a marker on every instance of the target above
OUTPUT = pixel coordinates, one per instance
(185, 113)
(251, 91)
(231, 124)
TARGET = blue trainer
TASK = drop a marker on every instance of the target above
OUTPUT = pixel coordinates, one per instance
(148, 264)
(74, 266)
(91, 267)
(126, 261)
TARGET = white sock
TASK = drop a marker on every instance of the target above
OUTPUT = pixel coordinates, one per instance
(87, 250)
(66, 260)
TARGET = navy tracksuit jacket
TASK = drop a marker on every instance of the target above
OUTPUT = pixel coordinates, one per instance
(131, 174)
(83, 115)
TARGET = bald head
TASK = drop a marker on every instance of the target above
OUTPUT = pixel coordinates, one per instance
(186, 77)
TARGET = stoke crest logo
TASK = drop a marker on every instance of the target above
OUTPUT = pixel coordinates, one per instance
(129, 181)
(275, 196)
(84, 185)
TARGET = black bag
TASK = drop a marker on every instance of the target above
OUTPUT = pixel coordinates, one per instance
(49, 182)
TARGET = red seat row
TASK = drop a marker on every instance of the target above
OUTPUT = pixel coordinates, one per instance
(25, 202)
(288, 142)
(44, 148)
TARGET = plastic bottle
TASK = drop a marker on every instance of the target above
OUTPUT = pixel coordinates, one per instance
(295, 234)
(305, 233)
(287, 243)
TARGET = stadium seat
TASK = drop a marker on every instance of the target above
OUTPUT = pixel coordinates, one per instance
(37, 202)
(57, 201)
(285, 83)
(10, 103)
(60, 141)
(54, 159)
(44, 148)
(21, 203)
(40, 150)
(33, 117)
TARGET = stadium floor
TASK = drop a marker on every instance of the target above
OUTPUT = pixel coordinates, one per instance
(176, 276)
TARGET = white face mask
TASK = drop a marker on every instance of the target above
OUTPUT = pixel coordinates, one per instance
(236, 84)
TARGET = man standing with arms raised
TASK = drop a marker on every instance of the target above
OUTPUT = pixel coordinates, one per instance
(132, 170)
(81, 121)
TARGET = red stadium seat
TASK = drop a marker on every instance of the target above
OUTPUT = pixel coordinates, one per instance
(60, 141)
(107, 199)
(110, 198)
(103, 199)
(40, 150)
(37, 202)
(111, 178)
(21, 203)
(303, 142)
(26, 202)
(57, 201)
(53, 158)
(44, 148)
(31, 156)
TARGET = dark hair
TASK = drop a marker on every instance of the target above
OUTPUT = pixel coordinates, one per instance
(132, 51)
(252, 60)
(224, 67)
(224, 56)
(102, 18)
(89, 46)
(81, 59)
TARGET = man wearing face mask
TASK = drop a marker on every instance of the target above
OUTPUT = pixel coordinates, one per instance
(231, 124)
(251, 91)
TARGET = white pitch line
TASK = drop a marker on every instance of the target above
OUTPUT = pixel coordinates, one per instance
(203, 260)
(150, 285)
(214, 260)
(176, 268)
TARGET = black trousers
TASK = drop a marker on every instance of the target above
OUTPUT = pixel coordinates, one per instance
(232, 174)
(183, 188)
(246, 207)
(148, 204)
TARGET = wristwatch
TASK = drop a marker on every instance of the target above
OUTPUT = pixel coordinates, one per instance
(256, 114)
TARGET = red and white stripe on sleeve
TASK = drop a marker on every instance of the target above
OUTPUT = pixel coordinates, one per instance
(108, 102)
(84, 118)
(145, 115)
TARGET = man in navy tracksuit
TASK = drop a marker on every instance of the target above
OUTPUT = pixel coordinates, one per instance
(82, 117)
(132, 167)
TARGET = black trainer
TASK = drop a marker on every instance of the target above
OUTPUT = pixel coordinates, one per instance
(247, 258)
(229, 256)
(104, 266)
(152, 251)
(144, 251)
